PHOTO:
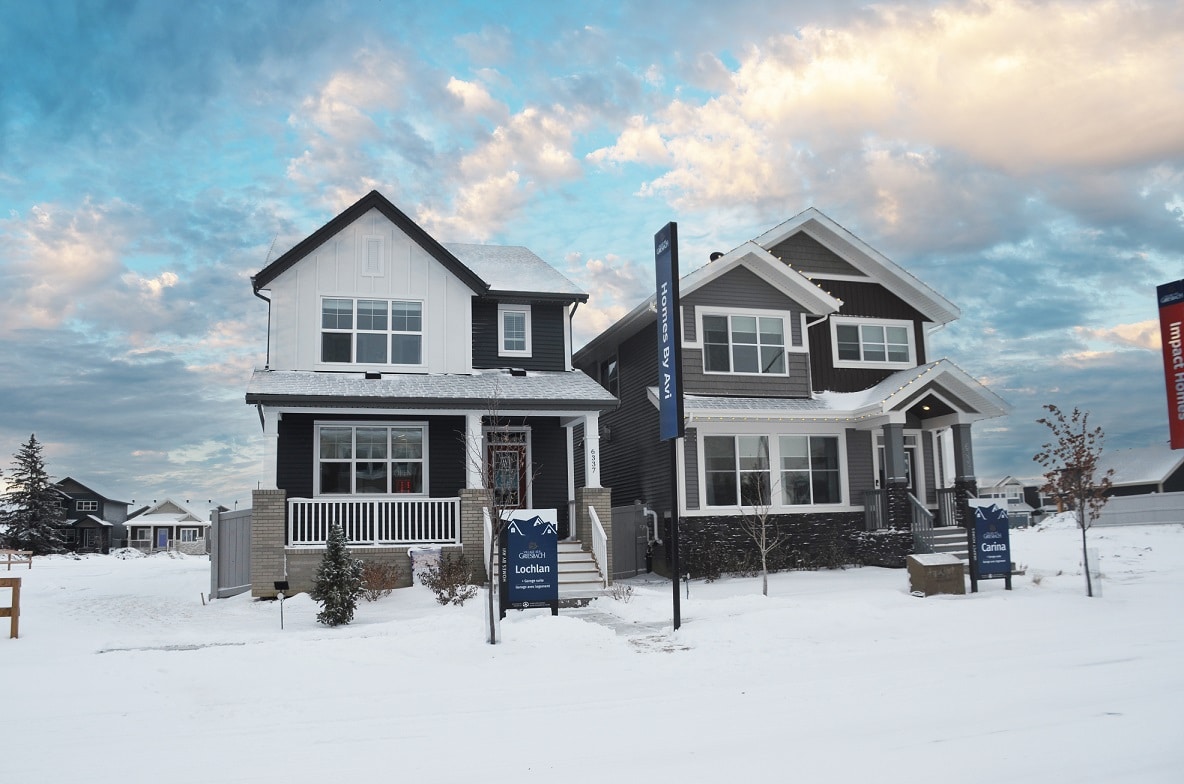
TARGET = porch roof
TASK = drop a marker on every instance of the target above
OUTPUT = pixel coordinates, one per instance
(534, 390)
(897, 391)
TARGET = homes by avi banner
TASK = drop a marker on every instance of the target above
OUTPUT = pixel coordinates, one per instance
(1171, 319)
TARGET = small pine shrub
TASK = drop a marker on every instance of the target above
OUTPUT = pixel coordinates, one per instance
(338, 581)
(450, 578)
(379, 578)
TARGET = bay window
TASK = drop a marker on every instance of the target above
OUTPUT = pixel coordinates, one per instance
(371, 459)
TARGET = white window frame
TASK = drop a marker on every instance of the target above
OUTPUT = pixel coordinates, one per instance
(786, 319)
(141, 533)
(781, 470)
(502, 310)
(354, 331)
(87, 506)
(773, 434)
(353, 459)
(857, 321)
(196, 534)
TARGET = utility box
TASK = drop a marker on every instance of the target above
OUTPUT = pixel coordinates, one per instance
(933, 573)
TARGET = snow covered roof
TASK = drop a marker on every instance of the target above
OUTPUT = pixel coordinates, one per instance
(550, 390)
(1142, 465)
(513, 268)
(168, 512)
(892, 396)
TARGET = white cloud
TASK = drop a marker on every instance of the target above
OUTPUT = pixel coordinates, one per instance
(475, 98)
(1144, 334)
(1014, 87)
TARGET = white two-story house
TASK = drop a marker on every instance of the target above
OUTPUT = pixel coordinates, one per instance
(402, 376)
(811, 394)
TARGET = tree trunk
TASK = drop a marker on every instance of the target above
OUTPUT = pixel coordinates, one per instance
(1089, 586)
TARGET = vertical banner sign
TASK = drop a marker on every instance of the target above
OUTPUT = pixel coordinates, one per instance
(1171, 317)
(669, 333)
(992, 540)
(530, 560)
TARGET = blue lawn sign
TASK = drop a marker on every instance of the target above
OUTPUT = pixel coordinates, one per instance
(992, 541)
(530, 559)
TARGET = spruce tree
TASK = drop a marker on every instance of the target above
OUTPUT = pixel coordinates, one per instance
(30, 506)
(338, 582)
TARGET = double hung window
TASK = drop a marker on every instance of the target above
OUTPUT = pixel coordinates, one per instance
(736, 469)
(861, 342)
(371, 459)
(809, 470)
(371, 331)
(513, 330)
(743, 344)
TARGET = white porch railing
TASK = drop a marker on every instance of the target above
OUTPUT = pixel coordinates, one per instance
(599, 545)
(374, 521)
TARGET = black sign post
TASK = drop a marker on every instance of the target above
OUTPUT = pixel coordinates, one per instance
(670, 407)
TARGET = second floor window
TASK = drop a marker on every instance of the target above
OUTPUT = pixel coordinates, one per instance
(744, 344)
(372, 331)
(513, 330)
(860, 342)
(88, 506)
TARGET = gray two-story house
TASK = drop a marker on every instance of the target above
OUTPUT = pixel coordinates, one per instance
(404, 378)
(810, 395)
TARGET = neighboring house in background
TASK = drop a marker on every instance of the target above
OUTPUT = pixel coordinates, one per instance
(168, 525)
(94, 522)
(401, 372)
(809, 384)
(1143, 470)
(1014, 494)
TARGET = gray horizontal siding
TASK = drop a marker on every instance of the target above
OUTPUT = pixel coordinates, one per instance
(807, 254)
(861, 475)
(696, 382)
(740, 288)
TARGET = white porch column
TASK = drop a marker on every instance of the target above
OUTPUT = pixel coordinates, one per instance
(271, 448)
(473, 456)
(592, 449)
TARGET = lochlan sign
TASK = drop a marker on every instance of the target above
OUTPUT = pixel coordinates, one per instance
(530, 560)
(991, 559)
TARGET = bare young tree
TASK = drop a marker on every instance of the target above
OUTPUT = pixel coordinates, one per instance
(756, 500)
(1070, 462)
(754, 521)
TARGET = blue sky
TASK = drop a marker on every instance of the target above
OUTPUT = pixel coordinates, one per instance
(1024, 159)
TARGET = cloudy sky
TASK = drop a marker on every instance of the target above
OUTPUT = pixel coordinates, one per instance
(1024, 159)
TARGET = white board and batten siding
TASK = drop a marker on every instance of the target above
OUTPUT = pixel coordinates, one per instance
(371, 258)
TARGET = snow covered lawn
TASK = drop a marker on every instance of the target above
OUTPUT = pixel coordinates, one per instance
(121, 674)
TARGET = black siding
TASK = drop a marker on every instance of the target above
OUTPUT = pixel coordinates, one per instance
(546, 337)
(296, 462)
(859, 299)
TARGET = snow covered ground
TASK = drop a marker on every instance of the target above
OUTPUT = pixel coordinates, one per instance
(121, 674)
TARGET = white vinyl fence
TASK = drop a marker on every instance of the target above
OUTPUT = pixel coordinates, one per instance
(1143, 509)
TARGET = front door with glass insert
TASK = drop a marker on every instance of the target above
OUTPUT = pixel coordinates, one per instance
(508, 467)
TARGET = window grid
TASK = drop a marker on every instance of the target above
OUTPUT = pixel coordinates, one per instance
(744, 344)
(371, 460)
(384, 332)
(878, 343)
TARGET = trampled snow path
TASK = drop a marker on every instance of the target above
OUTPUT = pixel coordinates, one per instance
(122, 675)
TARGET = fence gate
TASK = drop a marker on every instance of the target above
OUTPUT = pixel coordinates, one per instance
(230, 553)
(629, 542)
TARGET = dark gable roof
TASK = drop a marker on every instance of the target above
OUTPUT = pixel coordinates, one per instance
(372, 200)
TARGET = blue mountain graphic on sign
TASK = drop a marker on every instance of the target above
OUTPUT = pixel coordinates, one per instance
(531, 526)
